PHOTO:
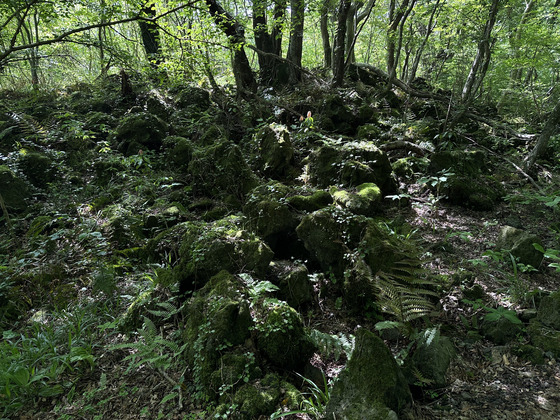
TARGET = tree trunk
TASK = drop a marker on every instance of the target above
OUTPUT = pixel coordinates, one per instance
(150, 35)
(339, 43)
(242, 71)
(324, 21)
(295, 49)
(268, 42)
(482, 59)
(549, 129)
(395, 17)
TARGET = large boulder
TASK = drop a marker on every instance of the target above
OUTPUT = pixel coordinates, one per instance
(208, 248)
(281, 337)
(350, 165)
(371, 386)
(139, 131)
(520, 244)
(432, 358)
(221, 170)
(544, 338)
(292, 279)
(275, 150)
(365, 199)
(549, 311)
(14, 191)
(38, 168)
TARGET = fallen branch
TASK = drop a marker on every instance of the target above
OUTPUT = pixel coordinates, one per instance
(403, 144)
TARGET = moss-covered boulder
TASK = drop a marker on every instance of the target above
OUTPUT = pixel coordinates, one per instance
(179, 151)
(281, 337)
(14, 190)
(38, 168)
(335, 115)
(463, 162)
(293, 281)
(268, 211)
(193, 98)
(365, 199)
(275, 150)
(431, 359)
(139, 131)
(544, 337)
(371, 386)
(259, 399)
(350, 165)
(328, 234)
(529, 353)
(218, 321)
(549, 311)
(317, 200)
(221, 170)
(501, 331)
(208, 248)
(480, 192)
(520, 244)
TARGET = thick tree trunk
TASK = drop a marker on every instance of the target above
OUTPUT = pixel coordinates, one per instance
(242, 71)
(549, 129)
(295, 49)
(268, 42)
(150, 35)
(482, 59)
(339, 43)
(324, 22)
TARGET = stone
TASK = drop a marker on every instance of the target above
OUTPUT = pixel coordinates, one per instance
(293, 282)
(281, 337)
(520, 244)
(14, 190)
(220, 170)
(544, 338)
(309, 203)
(501, 331)
(549, 311)
(38, 168)
(431, 358)
(365, 199)
(179, 151)
(139, 131)
(275, 150)
(371, 386)
(208, 248)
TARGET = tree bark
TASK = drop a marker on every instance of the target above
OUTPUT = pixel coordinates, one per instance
(244, 78)
(550, 128)
(482, 59)
(268, 42)
(324, 22)
(150, 35)
(339, 43)
(295, 48)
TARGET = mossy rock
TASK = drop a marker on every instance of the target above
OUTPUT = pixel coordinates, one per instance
(431, 358)
(38, 168)
(328, 234)
(371, 385)
(179, 151)
(549, 311)
(293, 282)
(97, 122)
(501, 331)
(257, 399)
(193, 98)
(336, 115)
(14, 191)
(461, 162)
(365, 199)
(281, 337)
(139, 131)
(520, 244)
(309, 203)
(218, 320)
(529, 353)
(545, 338)
(476, 192)
(275, 150)
(350, 165)
(221, 170)
(403, 168)
(208, 248)
(236, 369)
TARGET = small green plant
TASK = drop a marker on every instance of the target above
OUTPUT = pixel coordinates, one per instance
(551, 254)
(314, 401)
(494, 314)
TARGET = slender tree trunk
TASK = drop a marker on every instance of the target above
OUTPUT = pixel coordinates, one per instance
(429, 29)
(398, 50)
(242, 71)
(269, 42)
(339, 43)
(395, 16)
(295, 48)
(482, 59)
(150, 35)
(325, 36)
(549, 129)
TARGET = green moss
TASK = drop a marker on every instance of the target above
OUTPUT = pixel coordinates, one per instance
(14, 191)
(309, 203)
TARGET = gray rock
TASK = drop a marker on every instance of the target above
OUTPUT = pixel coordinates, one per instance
(520, 244)
(549, 311)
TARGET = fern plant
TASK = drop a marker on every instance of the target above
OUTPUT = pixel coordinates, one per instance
(332, 344)
(403, 291)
